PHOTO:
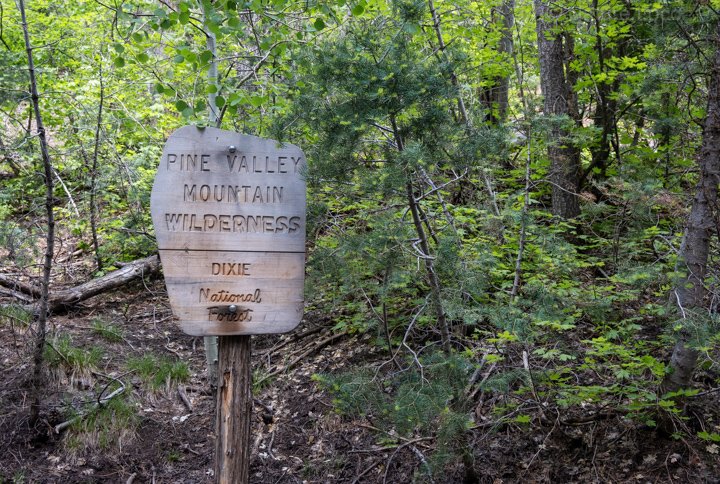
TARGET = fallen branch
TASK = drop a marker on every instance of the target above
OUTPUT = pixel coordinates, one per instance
(69, 297)
(62, 299)
(17, 285)
(185, 399)
(98, 404)
(321, 344)
(292, 339)
(21, 296)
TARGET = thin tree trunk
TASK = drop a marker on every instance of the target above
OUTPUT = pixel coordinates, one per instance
(691, 294)
(214, 119)
(93, 176)
(434, 281)
(441, 47)
(559, 101)
(37, 377)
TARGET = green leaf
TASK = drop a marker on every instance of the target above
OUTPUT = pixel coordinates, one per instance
(411, 28)
(257, 101)
(234, 22)
(358, 9)
(119, 61)
(220, 101)
(206, 56)
(211, 89)
(319, 24)
(178, 59)
(522, 419)
(184, 17)
(143, 57)
(119, 48)
(159, 88)
(180, 105)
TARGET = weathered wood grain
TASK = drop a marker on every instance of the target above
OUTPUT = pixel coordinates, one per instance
(229, 215)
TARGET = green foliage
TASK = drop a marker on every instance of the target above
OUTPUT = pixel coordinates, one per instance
(159, 372)
(108, 331)
(109, 427)
(61, 353)
(15, 316)
(427, 398)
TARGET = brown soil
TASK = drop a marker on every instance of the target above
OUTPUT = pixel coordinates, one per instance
(297, 434)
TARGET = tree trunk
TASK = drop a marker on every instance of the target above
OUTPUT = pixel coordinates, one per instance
(691, 294)
(559, 103)
(496, 96)
(93, 176)
(38, 360)
(424, 248)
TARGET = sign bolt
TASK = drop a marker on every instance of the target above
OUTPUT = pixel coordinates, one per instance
(232, 308)
(232, 148)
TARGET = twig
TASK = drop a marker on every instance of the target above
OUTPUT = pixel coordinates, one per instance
(479, 387)
(184, 398)
(100, 403)
(409, 443)
(321, 344)
(424, 461)
(131, 478)
(296, 337)
(368, 469)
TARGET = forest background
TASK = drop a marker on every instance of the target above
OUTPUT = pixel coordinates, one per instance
(513, 202)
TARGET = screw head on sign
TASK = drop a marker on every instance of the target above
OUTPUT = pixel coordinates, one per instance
(232, 149)
(232, 308)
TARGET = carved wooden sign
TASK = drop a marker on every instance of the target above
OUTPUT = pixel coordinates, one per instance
(229, 216)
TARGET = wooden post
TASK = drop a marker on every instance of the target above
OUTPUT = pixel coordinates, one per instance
(234, 409)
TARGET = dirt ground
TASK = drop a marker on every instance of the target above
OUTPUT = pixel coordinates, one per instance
(298, 436)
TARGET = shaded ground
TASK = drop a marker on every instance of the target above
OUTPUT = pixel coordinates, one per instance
(297, 434)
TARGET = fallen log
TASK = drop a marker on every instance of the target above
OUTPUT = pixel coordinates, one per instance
(65, 298)
(60, 300)
(16, 285)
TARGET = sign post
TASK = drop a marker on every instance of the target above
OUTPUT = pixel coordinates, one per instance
(229, 216)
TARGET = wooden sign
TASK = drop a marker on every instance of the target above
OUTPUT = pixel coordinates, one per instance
(229, 216)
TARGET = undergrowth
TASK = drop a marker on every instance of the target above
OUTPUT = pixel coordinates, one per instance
(159, 372)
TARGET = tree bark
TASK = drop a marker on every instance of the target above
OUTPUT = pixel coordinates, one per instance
(234, 409)
(93, 176)
(691, 294)
(496, 96)
(559, 102)
(38, 360)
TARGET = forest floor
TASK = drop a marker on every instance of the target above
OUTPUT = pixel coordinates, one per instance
(297, 434)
